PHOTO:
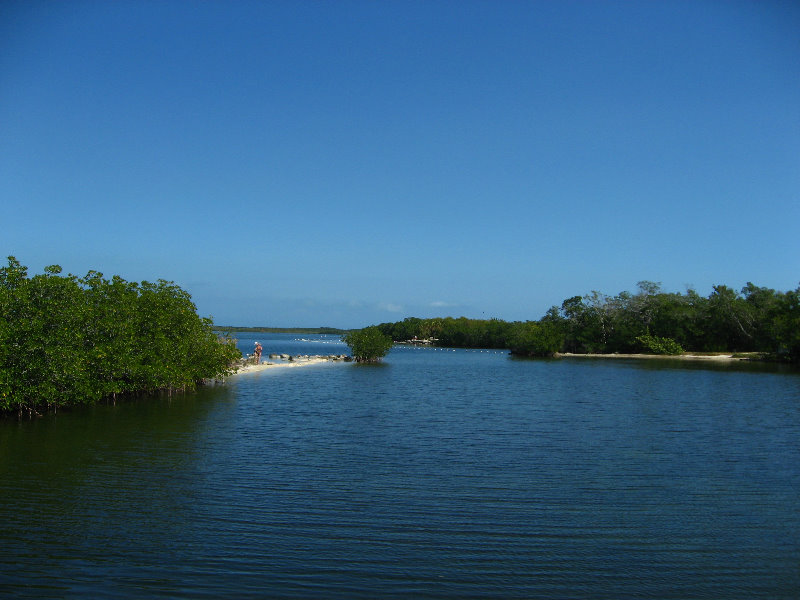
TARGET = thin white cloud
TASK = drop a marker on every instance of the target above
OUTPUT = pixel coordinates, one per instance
(390, 307)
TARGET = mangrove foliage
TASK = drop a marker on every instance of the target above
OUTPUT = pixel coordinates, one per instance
(68, 340)
(368, 345)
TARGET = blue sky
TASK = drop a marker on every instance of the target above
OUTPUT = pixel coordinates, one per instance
(348, 163)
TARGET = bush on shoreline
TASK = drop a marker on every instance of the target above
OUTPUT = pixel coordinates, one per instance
(66, 340)
(659, 345)
(368, 345)
(535, 339)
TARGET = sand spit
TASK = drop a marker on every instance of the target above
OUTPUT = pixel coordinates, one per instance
(285, 361)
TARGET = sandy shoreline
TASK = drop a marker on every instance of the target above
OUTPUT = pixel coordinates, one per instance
(701, 357)
(315, 360)
(273, 364)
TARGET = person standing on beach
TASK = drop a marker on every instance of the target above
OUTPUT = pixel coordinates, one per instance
(257, 353)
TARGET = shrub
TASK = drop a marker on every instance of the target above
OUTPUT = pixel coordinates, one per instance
(659, 345)
(535, 339)
(368, 345)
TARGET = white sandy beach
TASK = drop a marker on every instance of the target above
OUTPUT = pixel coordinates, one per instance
(282, 364)
(688, 356)
(303, 361)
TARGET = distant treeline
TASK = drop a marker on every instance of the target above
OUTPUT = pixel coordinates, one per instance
(67, 340)
(757, 319)
(330, 330)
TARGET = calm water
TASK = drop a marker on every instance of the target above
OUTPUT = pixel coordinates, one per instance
(442, 474)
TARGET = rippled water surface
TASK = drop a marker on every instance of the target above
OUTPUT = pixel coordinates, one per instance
(441, 474)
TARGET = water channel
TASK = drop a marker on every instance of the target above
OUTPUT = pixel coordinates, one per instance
(440, 474)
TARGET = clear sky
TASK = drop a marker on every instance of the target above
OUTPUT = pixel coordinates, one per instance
(347, 163)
